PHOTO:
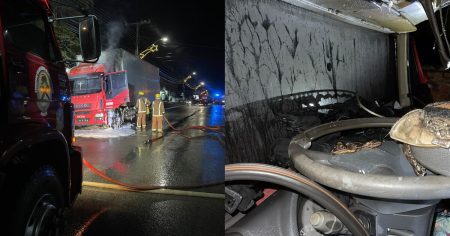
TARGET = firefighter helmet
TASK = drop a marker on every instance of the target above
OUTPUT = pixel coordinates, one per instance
(141, 93)
(157, 96)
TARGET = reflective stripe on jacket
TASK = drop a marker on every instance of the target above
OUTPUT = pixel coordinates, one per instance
(158, 108)
(141, 104)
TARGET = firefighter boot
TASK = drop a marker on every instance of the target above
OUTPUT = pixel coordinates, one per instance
(159, 124)
(154, 128)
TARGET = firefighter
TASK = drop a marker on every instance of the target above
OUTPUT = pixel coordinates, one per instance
(157, 112)
(141, 106)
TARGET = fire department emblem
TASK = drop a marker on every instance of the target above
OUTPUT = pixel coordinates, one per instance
(43, 89)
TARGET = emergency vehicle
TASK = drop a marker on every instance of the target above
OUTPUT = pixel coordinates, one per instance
(40, 168)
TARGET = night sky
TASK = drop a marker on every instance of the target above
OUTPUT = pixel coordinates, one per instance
(426, 43)
(195, 30)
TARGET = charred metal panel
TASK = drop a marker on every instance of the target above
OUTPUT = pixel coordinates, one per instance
(141, 75)
(275, 50)
(384, 16)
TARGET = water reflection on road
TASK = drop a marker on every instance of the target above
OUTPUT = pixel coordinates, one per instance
(172, 160)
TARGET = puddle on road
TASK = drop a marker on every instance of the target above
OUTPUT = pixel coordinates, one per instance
(126, 130)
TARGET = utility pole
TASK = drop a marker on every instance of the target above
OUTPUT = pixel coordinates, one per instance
(142, 22)
(137, 40)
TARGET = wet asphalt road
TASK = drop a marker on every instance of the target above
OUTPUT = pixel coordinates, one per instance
(173, 160)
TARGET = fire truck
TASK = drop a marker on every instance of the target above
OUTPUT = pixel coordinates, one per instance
(104, 93)
(40, 168)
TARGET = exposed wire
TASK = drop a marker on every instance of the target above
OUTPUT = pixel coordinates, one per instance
(186, 45)
(429, 10)
(367, 109)
(170, 81)
(446, 16)
(443, 25)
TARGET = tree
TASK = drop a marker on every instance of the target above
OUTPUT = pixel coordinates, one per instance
(68, 41)
(67, 31)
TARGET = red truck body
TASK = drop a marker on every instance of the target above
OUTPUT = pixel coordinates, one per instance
(104, 90)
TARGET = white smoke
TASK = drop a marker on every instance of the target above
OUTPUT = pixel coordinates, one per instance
(112, 59)
(114, 33)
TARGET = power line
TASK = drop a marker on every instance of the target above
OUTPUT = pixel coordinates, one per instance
(198, 46)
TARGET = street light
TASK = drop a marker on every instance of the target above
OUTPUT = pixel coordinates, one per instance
(152, 48)
(164, 39)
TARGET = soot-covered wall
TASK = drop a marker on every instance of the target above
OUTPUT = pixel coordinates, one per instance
(275, 51)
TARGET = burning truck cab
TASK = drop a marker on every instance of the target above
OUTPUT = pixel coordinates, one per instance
(96, 93)
(88, 94)
(104, 93)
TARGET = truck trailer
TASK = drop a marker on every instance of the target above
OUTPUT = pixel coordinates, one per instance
(104, 93)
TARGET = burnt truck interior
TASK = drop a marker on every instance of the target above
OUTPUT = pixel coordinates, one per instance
(344, 165)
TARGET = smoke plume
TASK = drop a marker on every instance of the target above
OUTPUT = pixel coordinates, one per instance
(114, 33)
(115, 30)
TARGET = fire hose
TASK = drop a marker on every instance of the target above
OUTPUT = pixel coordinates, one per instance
(215, 129)
(132, 187)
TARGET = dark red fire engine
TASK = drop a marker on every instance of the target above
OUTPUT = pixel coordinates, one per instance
(40, 169)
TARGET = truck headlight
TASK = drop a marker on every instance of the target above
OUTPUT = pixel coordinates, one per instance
(99, 115)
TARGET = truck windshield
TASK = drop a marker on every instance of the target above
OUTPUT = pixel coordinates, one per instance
(86, 84)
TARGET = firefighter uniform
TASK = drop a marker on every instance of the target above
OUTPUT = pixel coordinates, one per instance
(157, 111)
(141, 106)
